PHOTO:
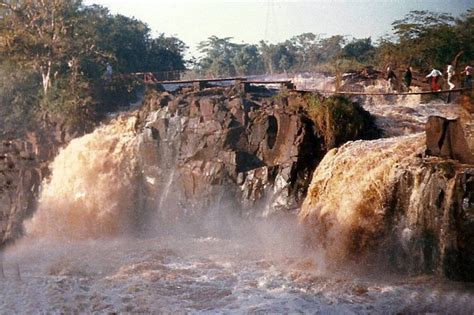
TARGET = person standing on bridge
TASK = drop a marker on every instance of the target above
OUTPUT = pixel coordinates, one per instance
(468, 77)
(108, 73)
(450, 73)
(407, 77)
(392, 79)
(435, 75)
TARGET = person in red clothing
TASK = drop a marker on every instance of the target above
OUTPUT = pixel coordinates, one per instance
(435, 76)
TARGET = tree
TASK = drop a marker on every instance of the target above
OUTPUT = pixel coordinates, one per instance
(165, 54)
(416, 23)
(305, 46)
(65, 46)
(42, 35)
(247, 60)
(277, 57)
(426, 39)
(18, 96)
(330, 48)
(361, 50)
(218, 55)
(464, 28)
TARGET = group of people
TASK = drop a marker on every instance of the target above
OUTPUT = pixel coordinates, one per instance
(434, 76)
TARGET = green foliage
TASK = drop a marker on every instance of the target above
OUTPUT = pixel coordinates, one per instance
(18, 98)
(416, 23)
(278, 58)
(247, 60)
(223, 58)
(428, 39)
(340, 120)
(63, 46)
(218, 55)
(74, 109)
(361, 50)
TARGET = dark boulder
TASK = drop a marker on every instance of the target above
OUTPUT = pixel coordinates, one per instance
(446, 138)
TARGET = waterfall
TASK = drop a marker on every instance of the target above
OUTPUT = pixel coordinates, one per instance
(166, 191)
(347, 198)
(92, 188)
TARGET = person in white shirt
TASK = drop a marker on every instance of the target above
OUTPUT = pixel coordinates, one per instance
(450, 73)
(435, 75)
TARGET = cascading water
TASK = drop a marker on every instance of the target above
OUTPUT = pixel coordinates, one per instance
(349, 189)
(347, 198)
(79, 257)
(380, 202)
(92, 189)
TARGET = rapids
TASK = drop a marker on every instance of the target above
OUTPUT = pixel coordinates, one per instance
(81, 253)
(205, 275)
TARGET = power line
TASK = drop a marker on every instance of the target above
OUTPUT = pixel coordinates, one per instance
(271, 22)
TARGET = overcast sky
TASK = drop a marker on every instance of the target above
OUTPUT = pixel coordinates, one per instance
(251, 21)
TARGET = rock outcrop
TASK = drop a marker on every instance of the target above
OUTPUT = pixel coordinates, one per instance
(430, 219)
(24, 160)
(446, 138)
(211, 149)
(452, 138)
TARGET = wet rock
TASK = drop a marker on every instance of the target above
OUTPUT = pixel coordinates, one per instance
(254, 152)
(381, 203)
(431, 215)
(23, 165)
(446, 138)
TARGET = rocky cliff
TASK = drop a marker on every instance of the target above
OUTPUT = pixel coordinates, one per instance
(23, 165)
(213, 149)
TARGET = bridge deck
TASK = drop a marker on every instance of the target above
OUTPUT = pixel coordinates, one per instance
(289, 83)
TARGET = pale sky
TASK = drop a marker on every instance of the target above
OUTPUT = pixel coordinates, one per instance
(248, 21)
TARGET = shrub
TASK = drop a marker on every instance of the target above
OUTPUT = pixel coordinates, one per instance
(339, 120)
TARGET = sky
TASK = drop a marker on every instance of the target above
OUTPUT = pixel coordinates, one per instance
(248, 21)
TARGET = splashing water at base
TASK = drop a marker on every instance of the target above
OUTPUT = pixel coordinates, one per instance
(204, 275)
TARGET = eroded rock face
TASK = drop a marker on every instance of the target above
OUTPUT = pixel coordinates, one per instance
(18, 185)
(23, 165)
(431, 219)
(24, 159)
(210, 149)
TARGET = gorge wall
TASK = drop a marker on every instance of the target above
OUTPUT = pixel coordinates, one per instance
(250, 153)
(189, 157)
(23, 166)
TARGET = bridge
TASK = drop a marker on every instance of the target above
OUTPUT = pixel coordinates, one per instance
(244, 84)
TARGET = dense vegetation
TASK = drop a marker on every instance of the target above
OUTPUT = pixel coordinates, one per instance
(54, 54)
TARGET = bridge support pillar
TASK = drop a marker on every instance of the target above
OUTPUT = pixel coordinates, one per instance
(199, 85)
(242, 86)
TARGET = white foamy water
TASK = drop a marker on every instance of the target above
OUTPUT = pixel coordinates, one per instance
(406, 114)
(204, 275)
